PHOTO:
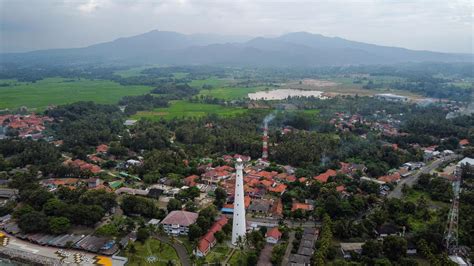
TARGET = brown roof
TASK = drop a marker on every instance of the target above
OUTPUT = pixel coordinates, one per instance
(274, 232)
(323, 178)
(302, 206)
(182, 218)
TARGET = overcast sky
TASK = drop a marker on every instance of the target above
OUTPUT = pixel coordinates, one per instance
(438, 25)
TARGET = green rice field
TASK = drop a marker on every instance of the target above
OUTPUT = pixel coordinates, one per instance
(214, 82)
(187, 109)
(134, 71)
(56, 91)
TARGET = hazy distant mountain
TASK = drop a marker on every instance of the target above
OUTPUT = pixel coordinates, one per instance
(293, 49)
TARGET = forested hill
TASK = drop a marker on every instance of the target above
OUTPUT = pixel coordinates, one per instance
(293, 49)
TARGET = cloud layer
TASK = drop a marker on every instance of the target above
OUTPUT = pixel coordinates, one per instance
(439, 25)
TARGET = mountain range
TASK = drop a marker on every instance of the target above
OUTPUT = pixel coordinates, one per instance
(294, 49)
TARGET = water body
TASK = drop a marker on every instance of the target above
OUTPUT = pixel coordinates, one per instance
(281, 94)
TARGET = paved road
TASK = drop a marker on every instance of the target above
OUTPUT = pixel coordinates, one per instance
(265, 256)
(286, 257)
(272, 222)
(180, 249)
(411, 180)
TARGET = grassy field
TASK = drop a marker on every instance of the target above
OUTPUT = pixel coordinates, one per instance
(56, 91)
(214, 82)
(163, 253)
(236, 258)
(134, 71)
(187, 109)
(218, 253)
(414, 196)
(230, 93)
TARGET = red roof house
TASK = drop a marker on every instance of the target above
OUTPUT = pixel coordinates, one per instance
(190, 181)
(209, 240)
(273, 235)
(323, 178)
(301, 206)
(102, 148)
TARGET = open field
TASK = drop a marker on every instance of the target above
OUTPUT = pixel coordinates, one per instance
(231, 93)
(151, 248)
(134, 71)
(218, 253)
(56, 91)
(236, 258)
(214, 82)
(345, 86)
(420, 223)
(187, 109)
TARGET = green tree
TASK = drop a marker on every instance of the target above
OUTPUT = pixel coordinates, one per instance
(194, 232)
(143, 234)
(221, 197)
(394, 247)
(59, 225)
(55, 207)
(32, 222)
(174, 205)
(372, 249)
(108, 230)
(252, 258)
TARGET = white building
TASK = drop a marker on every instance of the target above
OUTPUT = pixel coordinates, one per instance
(391, 97)
(273, 235)
(239, 226)
(178, 222)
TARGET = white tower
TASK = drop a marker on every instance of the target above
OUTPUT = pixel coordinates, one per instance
(238, 226)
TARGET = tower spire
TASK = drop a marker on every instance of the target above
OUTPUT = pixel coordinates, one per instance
(238, 226)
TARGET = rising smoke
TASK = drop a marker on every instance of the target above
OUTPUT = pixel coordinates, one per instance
(268, 119)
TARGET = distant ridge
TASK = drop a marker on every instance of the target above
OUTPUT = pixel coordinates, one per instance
(292, 49)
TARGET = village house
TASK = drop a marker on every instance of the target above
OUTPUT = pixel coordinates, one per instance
(348, 249)
(190, 181)
(273, 235)
(260, 206)
(352, 168)
(387, 230)
(209, 240)
(102, 149)
(215, 175)
(463, 143)
(392, 178)
(323, 178)
(26, 125)
(52, 184)
(83, 166)
(301, 206)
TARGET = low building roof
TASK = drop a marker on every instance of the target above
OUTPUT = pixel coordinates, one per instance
(274, 233)
(260, 205)
(352, 246)
(183, 218)
(466, 160)
(302, 206)
(323, 178)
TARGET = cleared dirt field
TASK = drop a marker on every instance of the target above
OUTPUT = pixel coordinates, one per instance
(342, 87)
